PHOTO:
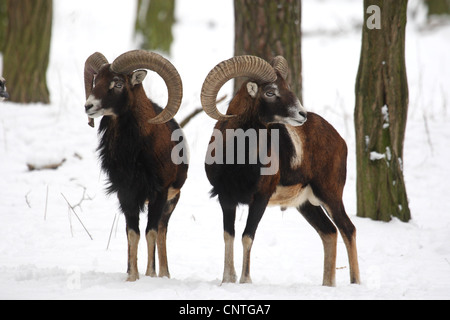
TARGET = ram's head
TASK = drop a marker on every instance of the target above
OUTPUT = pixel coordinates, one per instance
(109, 87)
(266, 94)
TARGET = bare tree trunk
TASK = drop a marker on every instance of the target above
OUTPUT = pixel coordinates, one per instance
(3, 25)
(27, 49)
(154, 21)
(267, 29)
(381, 112)
(438, 7)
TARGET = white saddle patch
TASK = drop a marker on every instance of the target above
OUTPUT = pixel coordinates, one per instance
(293, 196)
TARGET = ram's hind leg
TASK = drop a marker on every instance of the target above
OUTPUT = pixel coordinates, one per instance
(158, 218)
(348, 232)
(151, 232)
(162, 235)
(151, 247)
(318, 219)
(229, 216)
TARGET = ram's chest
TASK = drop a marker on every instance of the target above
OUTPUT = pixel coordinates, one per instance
(296, 146)
(291, 156)
(119, 149)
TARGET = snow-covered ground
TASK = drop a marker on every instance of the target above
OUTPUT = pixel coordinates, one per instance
(45, 252)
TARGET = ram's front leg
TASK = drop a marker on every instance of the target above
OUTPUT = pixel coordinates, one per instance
(133, 240)
(229, 216)
(131, 211)
(229, 273)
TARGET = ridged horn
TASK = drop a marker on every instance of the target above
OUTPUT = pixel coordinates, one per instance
(91, 67)
(141, 59)
(280, 64)
(241, 66)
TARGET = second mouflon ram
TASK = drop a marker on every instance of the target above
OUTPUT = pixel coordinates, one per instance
(311, 159)
(135, 146)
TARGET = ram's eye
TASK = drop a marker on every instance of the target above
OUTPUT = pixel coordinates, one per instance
(119, 85)
(270, 94)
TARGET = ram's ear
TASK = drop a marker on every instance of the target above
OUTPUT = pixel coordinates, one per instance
(138, 76)
(252, 89)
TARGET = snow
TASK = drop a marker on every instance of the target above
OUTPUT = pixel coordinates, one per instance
(385, 113)
(377, 156)
(374, 156)
(45, 252)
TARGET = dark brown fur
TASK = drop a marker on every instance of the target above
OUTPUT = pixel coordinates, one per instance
(136, 156)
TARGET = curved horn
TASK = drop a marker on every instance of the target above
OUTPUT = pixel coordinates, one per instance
(91, 67)
(140, 59)
(241, 66)
(280, 64)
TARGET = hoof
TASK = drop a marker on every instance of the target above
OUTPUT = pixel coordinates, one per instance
(151, 273)
(245, 280)
(229, 278)
(133, 277)
(165, 274)
(329, 283)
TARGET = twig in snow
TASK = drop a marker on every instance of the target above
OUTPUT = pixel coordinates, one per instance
(83, 197)
(70, 220)
(110, 233)
(444, 101)
(26, 199)
(427, 131)
(46, 203)
(117, 225)
(4, 136)
(70, 206)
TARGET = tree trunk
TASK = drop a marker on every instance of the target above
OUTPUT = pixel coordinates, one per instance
(380, 113)
(438, 7)
(267, 29)
(27, 50)
(154, 21)
(3, 25)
